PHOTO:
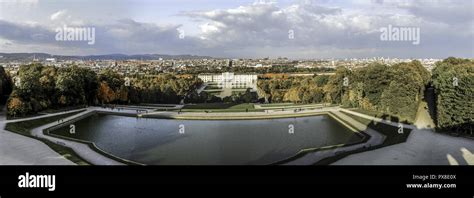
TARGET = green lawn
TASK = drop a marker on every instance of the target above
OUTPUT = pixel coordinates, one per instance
(243, 106)
(393, 137)
(292, 106)
(25, 127)
(47, 111)
(211, 87)
(237, 92)
(277, 105)
(381, 115)
(220, 107)
(213, 92)
(62, 109)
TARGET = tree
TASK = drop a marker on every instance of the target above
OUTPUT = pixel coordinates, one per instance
(453, 80)
(17, 107)
(293, 95)
(105, 93)
(248, 96)
(5, 85)
(335, 87)
(71, 88)
(321, 80)
(29, 81)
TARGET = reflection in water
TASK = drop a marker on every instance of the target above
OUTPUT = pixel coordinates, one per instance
(158, 141)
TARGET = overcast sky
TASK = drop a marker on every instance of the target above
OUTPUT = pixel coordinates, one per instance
(241, 28)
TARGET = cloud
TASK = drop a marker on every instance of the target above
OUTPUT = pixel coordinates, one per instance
(25, 33)
(321, 30)
(317, 28)
(445, 11)
(58, 15)
(122, 36)
(269, 25)
(20, 2)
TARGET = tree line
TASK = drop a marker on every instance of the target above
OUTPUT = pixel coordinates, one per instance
(247, 96)
(395, 90)
(37, 87)
(293, 89)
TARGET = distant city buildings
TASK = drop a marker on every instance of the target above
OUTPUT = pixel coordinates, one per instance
(134, 66)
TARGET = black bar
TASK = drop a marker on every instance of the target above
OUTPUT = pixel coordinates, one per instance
(352, 180)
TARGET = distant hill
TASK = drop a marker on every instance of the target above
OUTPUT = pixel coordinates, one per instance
(30, 56)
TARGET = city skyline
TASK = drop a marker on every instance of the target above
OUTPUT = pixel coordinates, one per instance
(240, 29)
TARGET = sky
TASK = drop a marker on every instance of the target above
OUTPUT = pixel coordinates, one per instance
(297, 29)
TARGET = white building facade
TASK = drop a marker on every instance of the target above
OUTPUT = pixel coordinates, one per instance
(230, 80)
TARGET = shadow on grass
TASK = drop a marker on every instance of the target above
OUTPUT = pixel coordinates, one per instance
(384, 116)
(391, 133)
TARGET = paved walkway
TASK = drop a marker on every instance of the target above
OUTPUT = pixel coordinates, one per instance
(16, 149)
(81, 149)
(423, 118)
(423, 147)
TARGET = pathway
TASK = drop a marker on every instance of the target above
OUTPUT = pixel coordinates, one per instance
(16, 149)
(83, 150)
(423, 147)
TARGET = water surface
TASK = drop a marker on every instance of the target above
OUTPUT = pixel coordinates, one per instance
(160, 141)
